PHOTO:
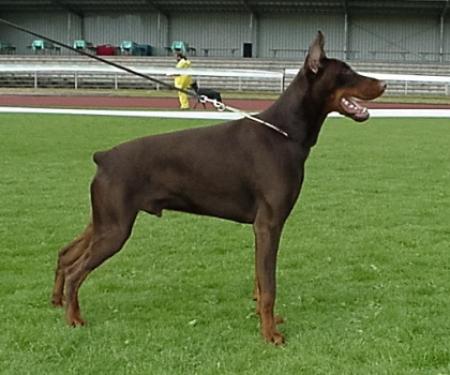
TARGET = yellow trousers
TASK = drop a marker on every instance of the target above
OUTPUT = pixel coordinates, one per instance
(183, 82)
(184, 100)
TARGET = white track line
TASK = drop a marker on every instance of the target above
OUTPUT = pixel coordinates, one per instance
(209, 115)
(206, 115)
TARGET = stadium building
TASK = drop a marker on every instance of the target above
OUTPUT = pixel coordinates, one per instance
(408, 36)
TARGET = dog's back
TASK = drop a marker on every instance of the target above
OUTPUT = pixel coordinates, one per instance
(210, 93)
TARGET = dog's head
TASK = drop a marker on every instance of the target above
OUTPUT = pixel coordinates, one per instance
(339, 85)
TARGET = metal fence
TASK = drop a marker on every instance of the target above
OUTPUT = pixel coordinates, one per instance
(90, 76)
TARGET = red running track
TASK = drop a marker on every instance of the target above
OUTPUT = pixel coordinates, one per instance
(89, 101)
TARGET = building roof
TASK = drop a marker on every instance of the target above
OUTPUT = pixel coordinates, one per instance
(80, 7)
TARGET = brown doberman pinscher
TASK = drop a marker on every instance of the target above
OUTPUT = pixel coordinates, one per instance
(239, 170)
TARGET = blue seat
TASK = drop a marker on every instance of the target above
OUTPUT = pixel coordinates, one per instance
(41, 46)
(82, 44)
(128, 47)
(6, 48)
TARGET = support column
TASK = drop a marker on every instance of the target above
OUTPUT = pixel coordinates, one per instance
(254, 33)
(82, 28)
(442, 32)
(346, 54)
(346, 36)
(69, 29)
(168, 33)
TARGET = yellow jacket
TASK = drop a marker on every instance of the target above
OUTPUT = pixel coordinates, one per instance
(183, 82)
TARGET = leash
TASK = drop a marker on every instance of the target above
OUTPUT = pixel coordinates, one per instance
(222, 107)
(218, 105)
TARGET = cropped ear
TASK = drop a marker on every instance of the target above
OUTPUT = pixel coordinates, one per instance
(315, 53)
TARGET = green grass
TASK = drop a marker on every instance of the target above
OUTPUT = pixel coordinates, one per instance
(363, 272)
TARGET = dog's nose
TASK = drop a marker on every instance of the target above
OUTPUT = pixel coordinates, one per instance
(383, 85)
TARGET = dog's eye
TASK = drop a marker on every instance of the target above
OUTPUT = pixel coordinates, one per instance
(345, 77)
(347, 72)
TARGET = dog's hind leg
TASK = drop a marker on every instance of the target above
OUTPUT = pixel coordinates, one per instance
(67, 256)
(113, 218)
(102, 247)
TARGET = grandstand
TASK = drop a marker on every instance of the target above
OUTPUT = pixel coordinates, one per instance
(407, 36)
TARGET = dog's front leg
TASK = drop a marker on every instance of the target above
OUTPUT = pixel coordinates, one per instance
(267, 237)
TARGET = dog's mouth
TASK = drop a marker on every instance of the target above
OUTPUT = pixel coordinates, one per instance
(351, 108)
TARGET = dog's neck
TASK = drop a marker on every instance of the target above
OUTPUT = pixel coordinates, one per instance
(294, 113)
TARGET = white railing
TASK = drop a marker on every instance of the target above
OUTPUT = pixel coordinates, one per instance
(279, 79)
(82, 70)
(404, 79)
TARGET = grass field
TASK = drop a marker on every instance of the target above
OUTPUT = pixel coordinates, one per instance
(363, 272)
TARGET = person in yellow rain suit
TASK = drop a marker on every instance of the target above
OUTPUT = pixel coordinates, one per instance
(183, 82)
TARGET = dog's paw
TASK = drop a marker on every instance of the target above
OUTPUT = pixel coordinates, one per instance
(75, 321)
(274, 337)
(57, 301)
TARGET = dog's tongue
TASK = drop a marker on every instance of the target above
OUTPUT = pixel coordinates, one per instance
(354, 110)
